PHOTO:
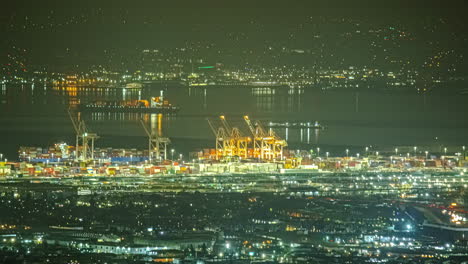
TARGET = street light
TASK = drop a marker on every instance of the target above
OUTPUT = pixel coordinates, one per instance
(172, 154)
(318, 152)
(445, 151)
(396, 151)
(357, 155)
(426, 152)
(415, 148)
(327, 153)
(347, 152)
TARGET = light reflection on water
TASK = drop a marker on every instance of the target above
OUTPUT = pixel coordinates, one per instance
(354, 118)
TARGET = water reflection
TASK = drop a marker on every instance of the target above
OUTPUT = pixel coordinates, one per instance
(356, 102)
(268, 100)
(367, 115)
(299, 135)
(255, 100)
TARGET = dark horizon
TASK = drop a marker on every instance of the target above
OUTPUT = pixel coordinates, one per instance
(198, 132)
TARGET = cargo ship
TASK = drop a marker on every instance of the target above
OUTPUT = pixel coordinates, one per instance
(313, 125)
(155, 105)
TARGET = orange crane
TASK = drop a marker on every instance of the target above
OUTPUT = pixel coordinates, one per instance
(221, 140)
(276, 144)
(257, 138)
(238, 144)
(267, 145)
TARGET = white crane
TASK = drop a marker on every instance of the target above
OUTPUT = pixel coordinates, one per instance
(84, 150)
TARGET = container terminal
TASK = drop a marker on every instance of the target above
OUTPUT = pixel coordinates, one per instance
(400, 200)
(233, 151)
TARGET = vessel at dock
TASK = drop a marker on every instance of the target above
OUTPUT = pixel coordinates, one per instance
(154, 105)
(313, 125)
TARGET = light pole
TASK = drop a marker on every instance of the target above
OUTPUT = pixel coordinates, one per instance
(464, 153)
(327, 153)
(172, 154)
(357, 155)
(347, 153)
(318, 152)
(415, 148)
(1, 156)
(377, 153)
(367, 151)
(426, 152)
(396, 151)
(445, 151)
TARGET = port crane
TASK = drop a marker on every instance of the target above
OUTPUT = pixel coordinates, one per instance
(221, 140)
(267, 145)
(157, 144)
(229, 140)
(84, 150)
(238, 144)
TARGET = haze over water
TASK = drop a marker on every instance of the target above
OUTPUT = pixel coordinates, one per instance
(37, 116)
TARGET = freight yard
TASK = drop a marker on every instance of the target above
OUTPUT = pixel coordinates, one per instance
(336, 208)
(259, 151)
(279, 205)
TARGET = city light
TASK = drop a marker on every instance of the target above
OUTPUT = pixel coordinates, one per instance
(264, 110)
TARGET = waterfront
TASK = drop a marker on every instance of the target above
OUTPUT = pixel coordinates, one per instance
(196, 133)
(37, 116)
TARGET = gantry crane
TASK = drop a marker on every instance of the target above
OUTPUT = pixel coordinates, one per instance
(221, 140)
(84, 150)
(257, 138)
(276, 144)
(230, 142)
(267, 145)
(157, 144)
(238, 144)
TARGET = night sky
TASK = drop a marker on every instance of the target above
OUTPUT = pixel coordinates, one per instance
(49, 30)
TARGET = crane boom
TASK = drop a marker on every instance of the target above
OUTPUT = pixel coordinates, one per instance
(225, 123)
(211, 126)
(75, 125)
(142, 122)
(250, 125)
